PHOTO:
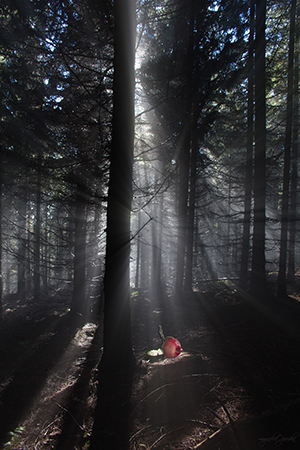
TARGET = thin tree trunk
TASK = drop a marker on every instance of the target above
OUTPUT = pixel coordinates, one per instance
(37, 237)
(160, 243)
(78, 304)
(258, 276)
(294, 162)
(1, 215)
(182, 206)
(95, 266)
(45, 253)
(22, 245)
(188, 286)
(138, 253)
(145, 257)
(184, 166)
(282, 288)
(153, 283)
(249, 159)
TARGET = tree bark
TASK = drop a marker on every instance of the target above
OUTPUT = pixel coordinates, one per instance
(1, 216)
(282, 288)
(294, 163)
(182, 205)
(117, 321)
(249, 159)
(258, 276)
(188, 282)
(154, 230)
(111, 429)
(184, 165)
(37, 237)
(138, 253)
(78, 304)
(22, 245)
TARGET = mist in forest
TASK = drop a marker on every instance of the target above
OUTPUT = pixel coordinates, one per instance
(148, 155)
(190, 155)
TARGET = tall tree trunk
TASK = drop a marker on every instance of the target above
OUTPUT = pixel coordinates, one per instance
(249, 159)
(294, 163)
(156, 240)
(160, 242)
(117, 362)
(1, 216)
(78, 304)
(138, 253)
(95, 267)
(258, 276)
(154, 273)
(145, 256)
(282, 289)
(227, 236)
(184, 163)
(22, 245)
(45, 252)
(117, 321)
(182, 205)
(37, 238)
(188, 283)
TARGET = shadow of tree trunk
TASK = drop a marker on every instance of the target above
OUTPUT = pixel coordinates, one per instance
(29, 377)
(111, 419)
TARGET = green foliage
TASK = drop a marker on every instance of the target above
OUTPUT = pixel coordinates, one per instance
(16, 439)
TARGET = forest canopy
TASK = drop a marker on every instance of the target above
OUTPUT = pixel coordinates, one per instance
(215, 153)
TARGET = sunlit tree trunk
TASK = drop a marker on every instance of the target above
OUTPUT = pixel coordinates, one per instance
(95, 266)
(184, 166)
(154, 272)
(258, 276)
(117, 318)
(294, 162)
(182, 206)
(188, 283)
(138, 253)
(145, 258)
(70, 230)
(249, 159)
(78, 304)
(160, 242)
(157, 217)
(282, 291)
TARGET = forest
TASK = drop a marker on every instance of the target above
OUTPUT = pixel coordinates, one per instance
(148, 186)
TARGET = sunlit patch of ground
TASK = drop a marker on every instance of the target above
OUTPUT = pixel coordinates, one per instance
(295, 297)
(44, 421)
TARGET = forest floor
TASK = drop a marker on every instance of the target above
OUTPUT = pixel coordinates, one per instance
(235, 385)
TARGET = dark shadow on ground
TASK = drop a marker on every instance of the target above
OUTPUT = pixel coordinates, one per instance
(273, 429)
(111, 417)
(28, 351)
